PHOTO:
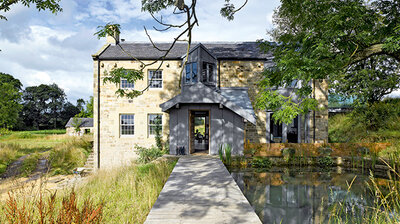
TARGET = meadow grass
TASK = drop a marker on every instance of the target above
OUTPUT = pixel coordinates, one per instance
(64, 152)
(125, 194)
(386, 208)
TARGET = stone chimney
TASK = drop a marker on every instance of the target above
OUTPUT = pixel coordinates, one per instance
(113, 39)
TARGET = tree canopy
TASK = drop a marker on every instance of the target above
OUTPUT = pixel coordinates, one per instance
(327, 40)
(10, 99)
(43, 105)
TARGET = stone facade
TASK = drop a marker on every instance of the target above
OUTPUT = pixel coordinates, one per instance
(117, 150)
(246, 74)
(70, 131)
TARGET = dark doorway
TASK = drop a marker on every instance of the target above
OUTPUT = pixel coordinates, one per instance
(293, 131)
(199, 132)
(276, 131)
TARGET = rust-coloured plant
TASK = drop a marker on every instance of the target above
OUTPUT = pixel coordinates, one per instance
(69, 212)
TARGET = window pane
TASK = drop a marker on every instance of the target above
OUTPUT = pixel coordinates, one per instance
(210, 73)
(153, 121)
(155, 79)
(126, 85)
(194, 72)
(187, 68)
(127, 124)
(204, 73)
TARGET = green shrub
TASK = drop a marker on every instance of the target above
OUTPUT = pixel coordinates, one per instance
(261, 162)
(288, 154)
(147, 155)
(4, 131)
(325, 151)
(325, 161)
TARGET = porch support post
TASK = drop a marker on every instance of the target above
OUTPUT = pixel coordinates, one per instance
(284, 133)
(299, 129)
(268, 127)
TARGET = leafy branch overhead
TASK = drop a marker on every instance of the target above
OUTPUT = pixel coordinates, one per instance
(181, 10)
(318, 40)
(52, 5)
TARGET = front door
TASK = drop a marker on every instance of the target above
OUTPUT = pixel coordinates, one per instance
(199, 132)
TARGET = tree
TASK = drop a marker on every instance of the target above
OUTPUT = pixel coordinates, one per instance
(42, 105)
(80, 103)
(326, 40)
(88, 111)
(51, 5)
(10, 98)
(6, 78)
(369, 80)
(69, 110)
(57, 98)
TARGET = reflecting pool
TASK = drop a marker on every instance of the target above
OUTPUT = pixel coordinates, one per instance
(306, 195)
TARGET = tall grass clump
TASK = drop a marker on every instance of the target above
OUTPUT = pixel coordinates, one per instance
(8, 154)
(386, 208)
(69, 155)
(129, 192)
(225, 153)
(228, 154)
(120, 195)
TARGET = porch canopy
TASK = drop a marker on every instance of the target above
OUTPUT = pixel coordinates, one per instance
(234, 98)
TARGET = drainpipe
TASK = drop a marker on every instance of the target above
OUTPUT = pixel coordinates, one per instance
(219, 74)
(314, 113)
(98, 112)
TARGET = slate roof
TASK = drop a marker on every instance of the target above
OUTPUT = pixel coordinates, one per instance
(86, 122)
(235, 99)
(228, 50)
(239, 96)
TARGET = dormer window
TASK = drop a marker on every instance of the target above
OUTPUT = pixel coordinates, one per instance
(207, 72)
(191, 73)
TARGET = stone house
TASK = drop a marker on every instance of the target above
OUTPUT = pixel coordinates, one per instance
(85, 126)
(210, 104)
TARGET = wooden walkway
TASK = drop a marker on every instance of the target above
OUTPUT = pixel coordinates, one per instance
(201, 190)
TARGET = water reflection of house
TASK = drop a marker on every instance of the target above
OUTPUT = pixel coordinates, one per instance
(294, 202)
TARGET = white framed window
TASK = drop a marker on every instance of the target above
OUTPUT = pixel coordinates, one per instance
(127, 124)
(124, 84)
(155, 79)
(153, 121)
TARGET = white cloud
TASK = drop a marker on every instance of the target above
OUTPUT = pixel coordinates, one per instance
(39, 47)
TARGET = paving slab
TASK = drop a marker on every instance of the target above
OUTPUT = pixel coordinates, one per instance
(201, 190)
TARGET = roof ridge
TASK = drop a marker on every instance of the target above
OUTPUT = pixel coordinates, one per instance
(193, 43)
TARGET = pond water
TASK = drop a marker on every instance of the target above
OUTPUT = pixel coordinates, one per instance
(306, 195)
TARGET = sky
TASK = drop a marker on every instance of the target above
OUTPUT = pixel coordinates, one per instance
(43, 48)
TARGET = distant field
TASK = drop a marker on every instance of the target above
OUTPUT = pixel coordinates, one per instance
(44, 143)
(35, 139)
